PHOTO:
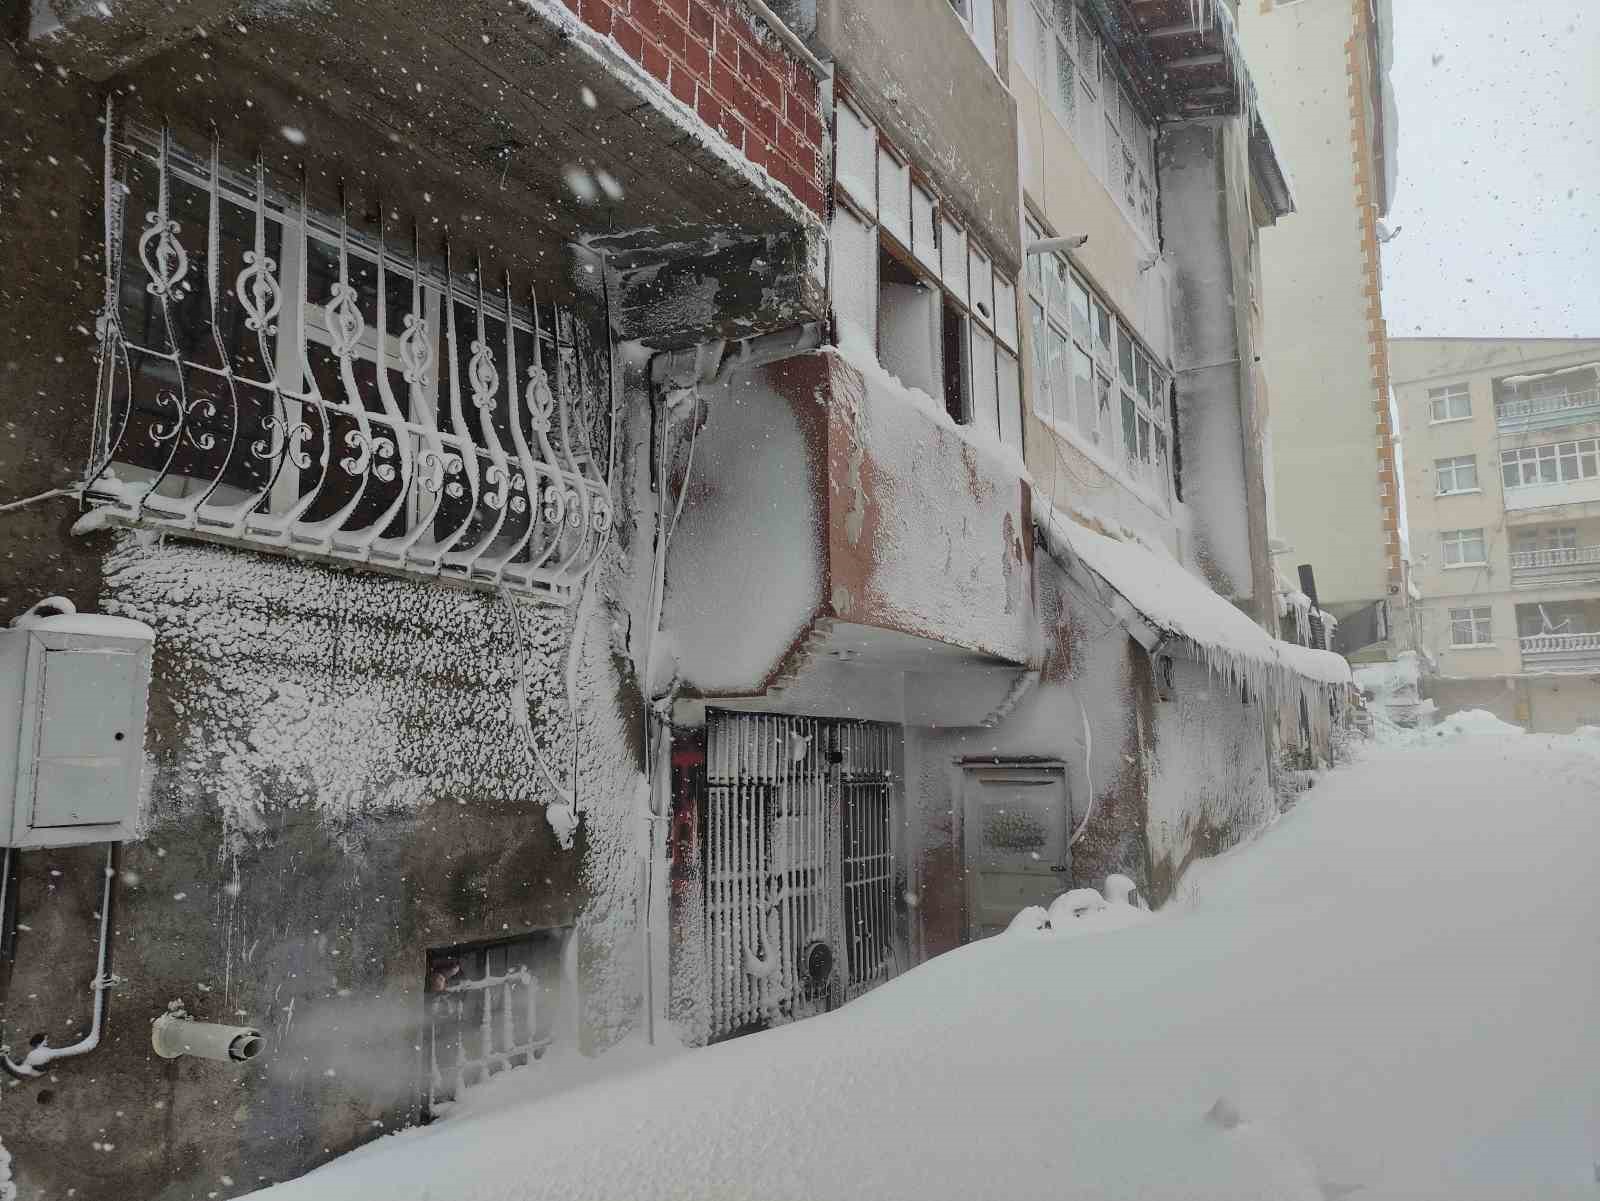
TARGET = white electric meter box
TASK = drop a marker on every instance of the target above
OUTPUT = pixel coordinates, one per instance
(74, 688)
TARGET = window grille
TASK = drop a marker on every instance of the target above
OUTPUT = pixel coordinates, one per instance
(799, 866)
(490, 1008)
(274, 379)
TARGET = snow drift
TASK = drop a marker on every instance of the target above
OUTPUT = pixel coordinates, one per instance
(1389, 994)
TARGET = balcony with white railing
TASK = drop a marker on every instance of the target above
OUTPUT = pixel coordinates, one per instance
(1555, 567)
(1517, 414)
(1561, 652)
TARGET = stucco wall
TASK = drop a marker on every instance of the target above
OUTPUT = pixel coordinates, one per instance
(1320, 283)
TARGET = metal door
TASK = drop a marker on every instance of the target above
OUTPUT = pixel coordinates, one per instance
(799, 866)
(1016, 843)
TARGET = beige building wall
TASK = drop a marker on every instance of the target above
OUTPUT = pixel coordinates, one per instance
(1548, 695)
(1319, 67)
(1063, 193)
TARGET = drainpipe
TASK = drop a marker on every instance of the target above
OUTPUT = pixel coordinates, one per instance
(34, 1063)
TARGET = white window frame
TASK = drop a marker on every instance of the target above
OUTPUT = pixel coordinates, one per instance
(1099, 422)
(1476, 622)
(965, 275)
(1456, 475)
(1459, 543)
(1099, 113)
(1443, 404)
(1550, 463)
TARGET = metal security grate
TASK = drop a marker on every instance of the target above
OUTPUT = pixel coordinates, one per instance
(487, 1011)
(866, 782)
(799, 866)
(272, 377)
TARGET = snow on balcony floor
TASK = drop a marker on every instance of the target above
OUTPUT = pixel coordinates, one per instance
(1388, 994)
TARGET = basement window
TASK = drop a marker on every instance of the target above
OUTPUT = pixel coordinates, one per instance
(490, 1008)
(275, 377)
(957, 381)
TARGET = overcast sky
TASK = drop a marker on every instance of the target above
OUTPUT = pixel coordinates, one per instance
(1499, 189)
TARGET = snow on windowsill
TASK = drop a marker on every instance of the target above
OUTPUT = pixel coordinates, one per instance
(1464, 566)
(1111, 464)
(857, 349)
(1474, 646)
(1461, 492)
(1450, 420)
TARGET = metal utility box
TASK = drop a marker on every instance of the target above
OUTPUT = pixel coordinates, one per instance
(73, 693)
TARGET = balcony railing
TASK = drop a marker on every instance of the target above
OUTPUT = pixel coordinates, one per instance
(1539, 412)
(1557, 652)
(1563, 565)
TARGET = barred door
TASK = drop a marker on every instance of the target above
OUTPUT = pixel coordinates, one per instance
(799, 866)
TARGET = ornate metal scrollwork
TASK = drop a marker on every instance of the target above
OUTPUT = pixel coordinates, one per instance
(452, 472)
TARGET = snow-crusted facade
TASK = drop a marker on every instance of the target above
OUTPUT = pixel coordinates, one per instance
(618, 565)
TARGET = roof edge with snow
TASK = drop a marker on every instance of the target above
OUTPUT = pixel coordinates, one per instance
(1151, 592)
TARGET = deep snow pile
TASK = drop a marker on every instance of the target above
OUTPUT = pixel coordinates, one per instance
(1388, 994)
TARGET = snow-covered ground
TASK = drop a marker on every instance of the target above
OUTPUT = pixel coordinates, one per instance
(1391, 993)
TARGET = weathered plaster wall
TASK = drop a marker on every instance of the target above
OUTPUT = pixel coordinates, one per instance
(333, 783)
(1211, 435)
(1172, 780)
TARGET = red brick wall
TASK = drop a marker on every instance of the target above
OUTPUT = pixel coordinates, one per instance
(741, 80)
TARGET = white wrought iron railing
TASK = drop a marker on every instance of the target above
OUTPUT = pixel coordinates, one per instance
(1569, 556)
(1522, 408)
(271, 377)
(1561, 644)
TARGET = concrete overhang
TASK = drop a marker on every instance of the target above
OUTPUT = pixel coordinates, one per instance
(474, 115)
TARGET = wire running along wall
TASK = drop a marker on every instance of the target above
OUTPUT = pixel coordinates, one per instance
(270, 377)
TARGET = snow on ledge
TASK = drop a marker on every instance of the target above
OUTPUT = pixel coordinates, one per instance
(1181, 604)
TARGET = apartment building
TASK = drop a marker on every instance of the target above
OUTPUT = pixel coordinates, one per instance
(1502, 441)
(627, 526)
(1322, 69)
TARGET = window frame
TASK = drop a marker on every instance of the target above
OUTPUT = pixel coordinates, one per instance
(971, 305)
(1102, 117)
(1127, 428)
(1447, 394)
(1460, 539)
(1478, 621)
(1452, 467)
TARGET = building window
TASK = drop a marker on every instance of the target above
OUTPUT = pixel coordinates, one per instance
(1450, 403)
(271, 378)
(1553, 463)
(1059, 49)
(1459, 474)
(1093, 380)
(1463, 547)
(1470, 627)
(1547, 538)
(490, 1007)
(905, 273)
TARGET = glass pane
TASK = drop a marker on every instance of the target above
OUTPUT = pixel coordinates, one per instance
(1041, 360)
(1102, 331)
(1080, 312)
(1060, 376)
(1125, 356)
(1130, 427)
(1066, 82)
(1083, 392)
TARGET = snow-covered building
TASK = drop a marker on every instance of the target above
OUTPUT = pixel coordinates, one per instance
(1323, 72)
(645, 522)
(1502, 486)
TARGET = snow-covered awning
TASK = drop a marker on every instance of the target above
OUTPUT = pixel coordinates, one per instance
(1165, 598)
(1514, 380)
